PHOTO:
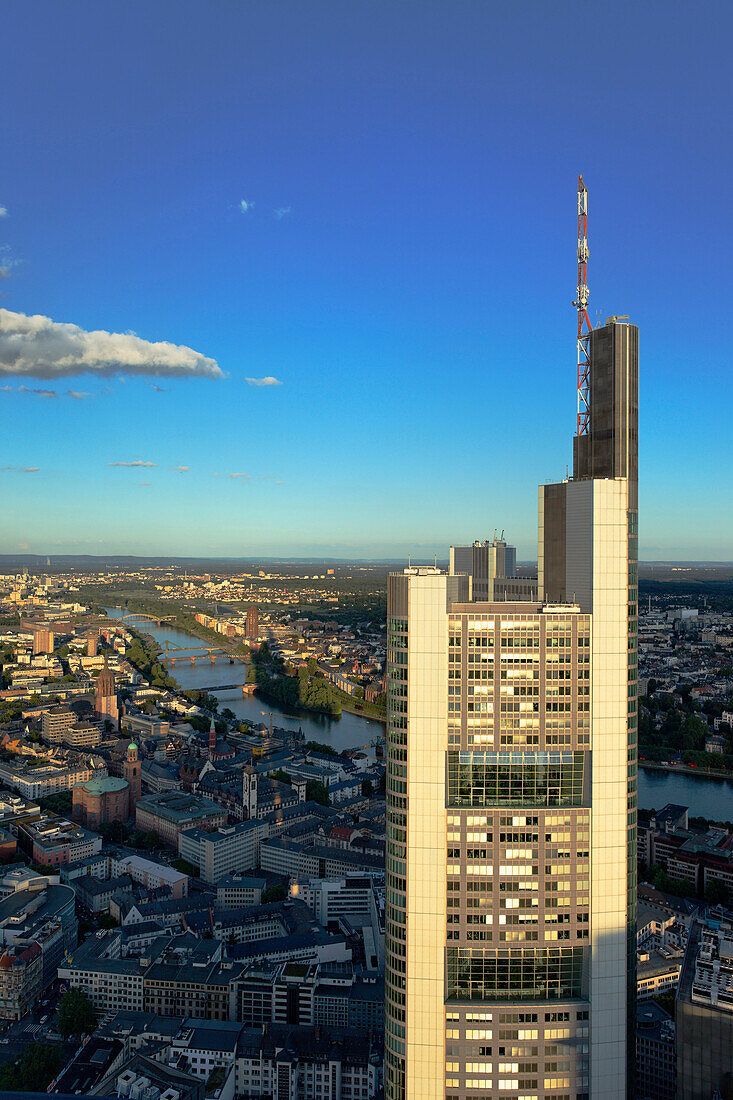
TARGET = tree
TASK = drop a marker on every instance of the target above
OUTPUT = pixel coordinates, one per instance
(229, 715)
(38, 1067)
(77, 1015)
(716, 893)
(274, 893)
(282, 776)
(367, 788)
(113, 831)
(316, 792)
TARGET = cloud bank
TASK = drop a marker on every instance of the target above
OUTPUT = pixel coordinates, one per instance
(76, 395)
(137, 462)
(267, 381)
(38, 347)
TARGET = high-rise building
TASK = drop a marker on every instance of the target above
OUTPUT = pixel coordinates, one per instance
(511, 794)
(42, 640)
(484, 562)
(251, 627)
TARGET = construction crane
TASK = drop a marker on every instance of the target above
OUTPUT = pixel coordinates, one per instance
(581, 304)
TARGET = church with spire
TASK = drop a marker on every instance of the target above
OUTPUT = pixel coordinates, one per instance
(105, 696)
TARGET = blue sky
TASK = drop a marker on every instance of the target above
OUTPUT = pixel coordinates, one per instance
(404, 267)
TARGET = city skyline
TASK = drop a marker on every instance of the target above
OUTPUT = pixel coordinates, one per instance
(327, 213)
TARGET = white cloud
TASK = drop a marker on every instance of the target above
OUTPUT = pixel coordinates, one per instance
(76, 395)
(3, 211)
(180, 469)
(23, 469)
(137, 462)
(267, 381)
(143, 482)
(282, 212)
(42, 348)
(245, 206)
(253, 477)
(37, 393)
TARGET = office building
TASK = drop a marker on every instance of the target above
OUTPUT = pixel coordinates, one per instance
(42, 640)
(56, 722)
(484, 563)
(655, 1053)
(252, 629)
(511, 794)
(224, 851)
(704, 1016)
(351, 897)
(171, 812)
(42, 916)
(239, 891)
(53, 841)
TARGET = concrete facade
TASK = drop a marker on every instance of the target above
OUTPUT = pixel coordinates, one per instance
(511, 795)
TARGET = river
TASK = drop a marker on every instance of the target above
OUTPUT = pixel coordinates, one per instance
(350, 731)
(711, 798)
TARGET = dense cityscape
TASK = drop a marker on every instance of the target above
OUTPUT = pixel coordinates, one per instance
(202, 892)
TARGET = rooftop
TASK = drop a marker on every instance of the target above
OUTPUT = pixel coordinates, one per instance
(104, 785)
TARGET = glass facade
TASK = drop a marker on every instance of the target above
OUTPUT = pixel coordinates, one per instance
(514, 974)
(516, 778)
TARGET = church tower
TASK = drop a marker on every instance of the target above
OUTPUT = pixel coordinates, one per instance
(131, 772)
(249, 793)
(105, 696)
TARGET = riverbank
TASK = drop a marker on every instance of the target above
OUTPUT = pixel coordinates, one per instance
(685, 769)
(347, 703)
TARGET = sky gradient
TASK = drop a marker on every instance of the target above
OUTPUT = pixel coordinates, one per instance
(371, 206)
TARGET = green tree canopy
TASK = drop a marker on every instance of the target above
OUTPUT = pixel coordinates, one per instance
(38, 1067)
(77, 1015)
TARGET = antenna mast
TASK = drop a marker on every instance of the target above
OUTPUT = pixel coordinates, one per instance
(581, 304)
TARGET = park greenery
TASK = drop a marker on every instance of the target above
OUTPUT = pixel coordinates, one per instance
(186, 868)
(59, 803)
(38, 1066)
(144, 655)
(307, 689)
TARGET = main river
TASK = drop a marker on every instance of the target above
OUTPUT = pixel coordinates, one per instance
(711, 798)
(347, 732)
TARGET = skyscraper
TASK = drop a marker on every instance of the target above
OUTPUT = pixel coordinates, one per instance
(511, 794)
(485, 563)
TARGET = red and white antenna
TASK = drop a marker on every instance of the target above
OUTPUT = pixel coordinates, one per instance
(581, 304)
